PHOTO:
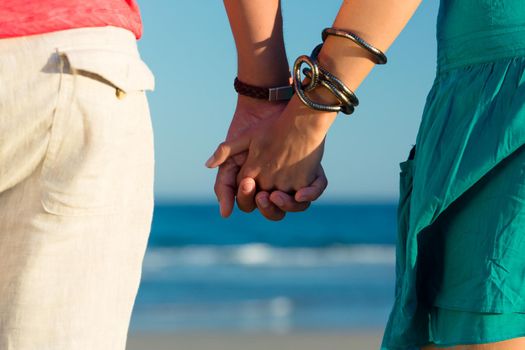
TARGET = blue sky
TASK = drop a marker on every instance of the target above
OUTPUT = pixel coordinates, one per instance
(189, 47)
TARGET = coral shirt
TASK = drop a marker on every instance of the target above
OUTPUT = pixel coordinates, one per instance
(28, 17)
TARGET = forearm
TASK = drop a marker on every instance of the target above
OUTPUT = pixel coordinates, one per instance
(258, 32)
(378, 22)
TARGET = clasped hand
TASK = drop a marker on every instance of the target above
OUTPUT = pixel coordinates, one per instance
(271, 159)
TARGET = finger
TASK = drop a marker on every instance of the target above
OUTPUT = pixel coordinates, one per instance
(225, 187)
(315, 190)
(228, 149)
(246, 195)
(285, 202)
(267, 208)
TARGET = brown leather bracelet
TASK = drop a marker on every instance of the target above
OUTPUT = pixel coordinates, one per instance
(280, 93)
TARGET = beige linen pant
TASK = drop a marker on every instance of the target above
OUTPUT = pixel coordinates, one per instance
(76, 188)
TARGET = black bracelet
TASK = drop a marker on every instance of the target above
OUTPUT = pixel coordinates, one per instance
(320, 76)
(376, 53)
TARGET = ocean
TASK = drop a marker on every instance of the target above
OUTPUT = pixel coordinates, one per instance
(328, 269)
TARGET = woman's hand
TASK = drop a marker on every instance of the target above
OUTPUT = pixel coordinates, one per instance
(284, 151)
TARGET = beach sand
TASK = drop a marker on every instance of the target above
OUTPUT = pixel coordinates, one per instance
(366, 340)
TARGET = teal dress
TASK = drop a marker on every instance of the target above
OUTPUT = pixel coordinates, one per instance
(460, 267)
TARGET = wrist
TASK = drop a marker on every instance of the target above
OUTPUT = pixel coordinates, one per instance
(312, 122)
(268, 68)
(347, 61)
(277, 76)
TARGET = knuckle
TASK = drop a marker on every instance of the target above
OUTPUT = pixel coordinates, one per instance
(222, 148)
(265, 185)
(250, 170)
(277, 217)
(284, 186)
(297, 207)
(240, 158)
(273, 213)
(218, 189)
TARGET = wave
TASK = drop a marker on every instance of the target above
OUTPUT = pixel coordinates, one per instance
(268, 256)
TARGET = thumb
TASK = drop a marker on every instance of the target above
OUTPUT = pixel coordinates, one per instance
(228, 149)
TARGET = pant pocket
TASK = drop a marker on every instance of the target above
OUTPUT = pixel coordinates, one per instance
(101, 137)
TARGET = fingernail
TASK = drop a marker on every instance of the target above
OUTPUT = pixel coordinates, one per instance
(299, 198)
(278, 200)
(263, 202)
(209, 162)
(247, 187)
